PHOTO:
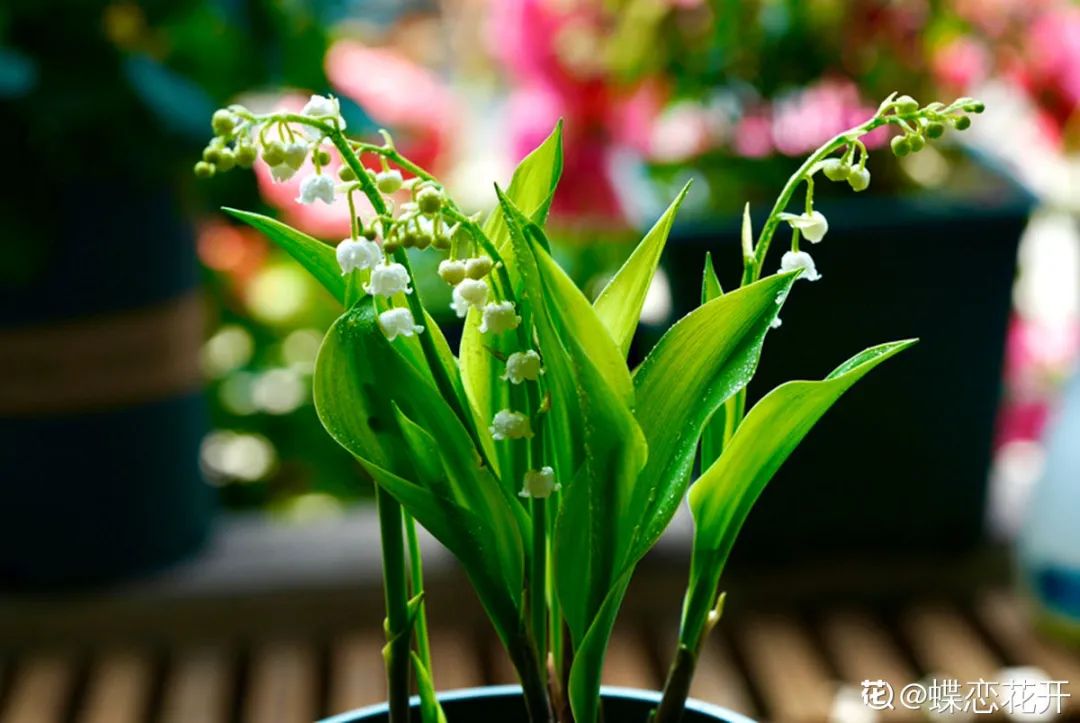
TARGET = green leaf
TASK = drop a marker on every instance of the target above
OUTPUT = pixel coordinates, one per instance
(598, 445)
(531, 187)
(318, 258)
(619, 304)
(702, 360)
(722, 497)
(588, 662)
(389, 414)
(430, 710)
(712, 437)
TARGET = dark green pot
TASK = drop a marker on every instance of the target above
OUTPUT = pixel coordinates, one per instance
(504, 703)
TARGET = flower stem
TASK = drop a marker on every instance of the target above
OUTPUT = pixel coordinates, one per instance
(416, 573)
(396, 593)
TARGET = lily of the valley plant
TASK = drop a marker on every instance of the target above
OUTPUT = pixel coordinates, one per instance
(535, 454)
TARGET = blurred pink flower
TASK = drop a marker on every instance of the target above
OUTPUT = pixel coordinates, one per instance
(962, 63)
(1053, 56)
(807, 119)
(398, 94)
(753, 136)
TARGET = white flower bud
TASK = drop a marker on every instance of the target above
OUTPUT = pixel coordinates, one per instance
(835, 169)
(776, 323)
(323, 108)
(522, 366)
(295, 154)
(398, 322)
(282, 172)
(388, 181)
(859, 180)
(794, 260)
(510, 425)
(478, 267)
(499, 316)
(316, 187)
(452, 271)
(387, 280)
(362, 254)
(812, 225)
(539, 484)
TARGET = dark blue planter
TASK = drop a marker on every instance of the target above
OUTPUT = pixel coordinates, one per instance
(100, 406)
(503, 703)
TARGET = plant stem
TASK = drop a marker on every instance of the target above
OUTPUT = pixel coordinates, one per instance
(533, 688)
(538, 611)
(396, 593)
(416, 571)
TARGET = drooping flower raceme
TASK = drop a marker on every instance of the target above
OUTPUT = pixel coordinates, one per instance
(316, 188)
(523, 366)
(793, 260)
(358, 255)
(539, 483)
(812, 225)
(398, 322)
(388, 279)
(510, 425)
(499, 316)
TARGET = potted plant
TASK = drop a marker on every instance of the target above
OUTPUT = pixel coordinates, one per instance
(535, 454)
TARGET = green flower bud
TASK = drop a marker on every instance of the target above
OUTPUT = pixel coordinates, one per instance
(370, 233)
(391, 245)
(441, 242)
(900, 145)
(245, 154)
(478, 267)
(429, 200)
(917, 142)
(423, 240)
(274, 153)
(345, 173)
(388, 181)
(204, 169)
(934, 130)
(226, 160)
(977, 106)
(906, 104)
(835, 169)
(452, 271)
(859, 179)
(322, 157)
(962, 123)
(223, 122)
(408, 238)
(211, 154)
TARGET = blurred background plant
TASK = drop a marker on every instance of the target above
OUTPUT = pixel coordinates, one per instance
(652, 91)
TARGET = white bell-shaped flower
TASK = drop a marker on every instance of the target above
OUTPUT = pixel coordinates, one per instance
(295, 154)
(499, 316)
(357, 255)
(324, 108)
(388, 279)
(510, 425)
(398, 322)
(794, 260)
(812, 225)
(316, 187)
(389, 181)
(539, 483)
(469, 292)
(522, 366)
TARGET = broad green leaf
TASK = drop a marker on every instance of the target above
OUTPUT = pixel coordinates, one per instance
(712, 437)
(599, 443)
(388, 413)
(531, 187)
(722, 497)
(318, 258)
(702, 360)
(619, 304)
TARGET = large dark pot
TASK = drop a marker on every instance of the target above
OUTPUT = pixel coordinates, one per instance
(900, 464)
(100, 405)
(504, 703)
